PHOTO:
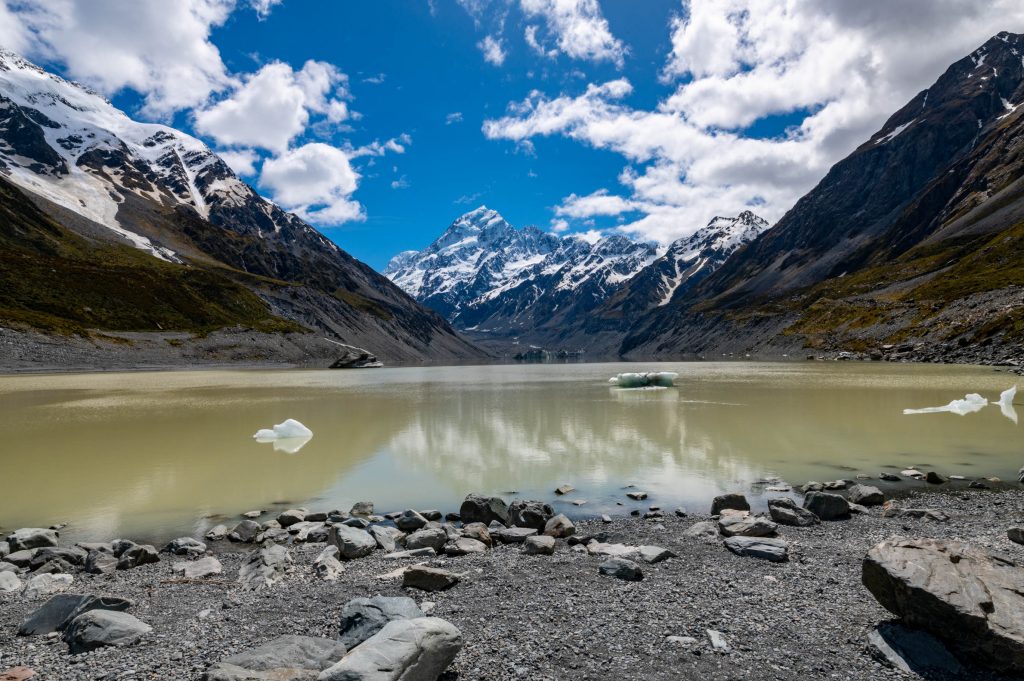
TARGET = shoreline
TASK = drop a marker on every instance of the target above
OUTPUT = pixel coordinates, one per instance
(808, 617)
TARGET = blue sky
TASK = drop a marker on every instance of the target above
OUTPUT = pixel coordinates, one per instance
(381, 122)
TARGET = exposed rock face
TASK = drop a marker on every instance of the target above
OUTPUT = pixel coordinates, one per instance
(404, 650)
(972, 600)
(356, 358)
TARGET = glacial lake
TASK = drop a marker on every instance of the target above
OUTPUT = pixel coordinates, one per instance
(161, 454)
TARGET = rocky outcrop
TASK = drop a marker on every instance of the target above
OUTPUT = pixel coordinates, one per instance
(970, 599)
(351, 357)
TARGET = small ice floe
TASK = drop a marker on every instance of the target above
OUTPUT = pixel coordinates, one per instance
(289, 436)
(973, 403)
(654, 379)
(1006, 403)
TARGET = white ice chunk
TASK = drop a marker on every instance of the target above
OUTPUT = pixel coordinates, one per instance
(289, 445)
(1006, 403)
(654, 379)
(970, 404)
(289, 429)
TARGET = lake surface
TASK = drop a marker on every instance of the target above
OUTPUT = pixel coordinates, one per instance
(158, 455)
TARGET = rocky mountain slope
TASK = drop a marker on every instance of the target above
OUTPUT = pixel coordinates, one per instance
(492, 279)
(910, 246)
(112, 181)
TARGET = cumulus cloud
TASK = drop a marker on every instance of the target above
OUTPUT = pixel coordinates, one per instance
(273, 106)
(316, 181)
(493, 51)
(160, 49)
(577, 27)
(844, 67)
(242, 161)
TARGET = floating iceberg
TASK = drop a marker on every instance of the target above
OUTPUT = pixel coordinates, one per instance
(972, 403)
(1006, 403)
(654, 379)
(288, 437)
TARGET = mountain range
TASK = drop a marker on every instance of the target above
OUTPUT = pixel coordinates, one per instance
(93, 190)
(496, 282)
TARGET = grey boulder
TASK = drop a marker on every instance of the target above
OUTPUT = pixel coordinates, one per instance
(463, 546)
(351, 542)
(185, 546)
(245, 532)
(199, 569)
(513, 535)
(533, 514)
(137, 555)
(404, 650)
(749, 526)
(620, 568)
(480, 509)
(101, 628)
(100, 563)
(327, 566)
(31, 538)
(766, 548)
(655, 554)
(971, 600)
(9, 582)
(827, 506)
(410, 521)
(866, 495)
(435, 538)
(361, 618)
(57, 613)
(559, 527)
(285, 657)
(264, 567)
(428, 578)
(384, 536)
(539, 545)
(216, 533)
(785, 512)
(736, 502)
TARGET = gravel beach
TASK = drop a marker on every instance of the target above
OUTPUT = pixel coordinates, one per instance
(549, 617)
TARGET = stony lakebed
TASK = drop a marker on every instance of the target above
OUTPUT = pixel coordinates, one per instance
(836, 580)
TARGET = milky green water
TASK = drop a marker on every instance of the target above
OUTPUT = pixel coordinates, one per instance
(155, 455)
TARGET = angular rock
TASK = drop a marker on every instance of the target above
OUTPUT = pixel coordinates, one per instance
(22, 559)
(291, 516)
(31, 538)
(706, 531)
(286, 657)
(431, 514)
(971, 600)
(358, 523)
(827, 506)
(892, 511)
(479, 532)
(1016, 535)
(934, 478)
(44, 585)
(533, 514)
(100, 628)
(734, 501)
(559, 527)
(637, 496)
(785, 512)
(655, 554)
(384, 536)
(416, 553)
(435, 538)
(889, 477)
(327, 566)
(597, 548)
(361, 618)
(264, 567)
(410, 521)
(9, 582)
(562, 490)
(362, 508)
(513, 535)
(73, 556)
(137, 555)
(198, 569)
(775, 550)
(540, 545)
(100, 563)
(57, 613)
(185, 546)
(404, 650)
(217, 533)
(866, 495)
(428, 578)
(463, 546)
(620, 568)
(245, 532)
(310, 531)
(351, 543)
(750, 526)
(480, 509)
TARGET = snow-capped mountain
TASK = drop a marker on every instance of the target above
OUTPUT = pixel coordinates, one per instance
(688, 261)
(102, 175)
(484, 275)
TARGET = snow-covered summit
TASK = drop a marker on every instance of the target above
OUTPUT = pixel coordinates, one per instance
(68, 144)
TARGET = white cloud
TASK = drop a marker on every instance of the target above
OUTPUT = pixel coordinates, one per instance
(160, 49)
(316, 181)
(13, 34)
(453, 117)
(845, 67)
(530, 35)
(493, 51)
(400, 183)
(263, 7)
(395, 145)
(242, 161)
(578, 28)
(273, 106)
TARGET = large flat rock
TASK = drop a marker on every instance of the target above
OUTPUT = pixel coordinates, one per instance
(970, 599)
